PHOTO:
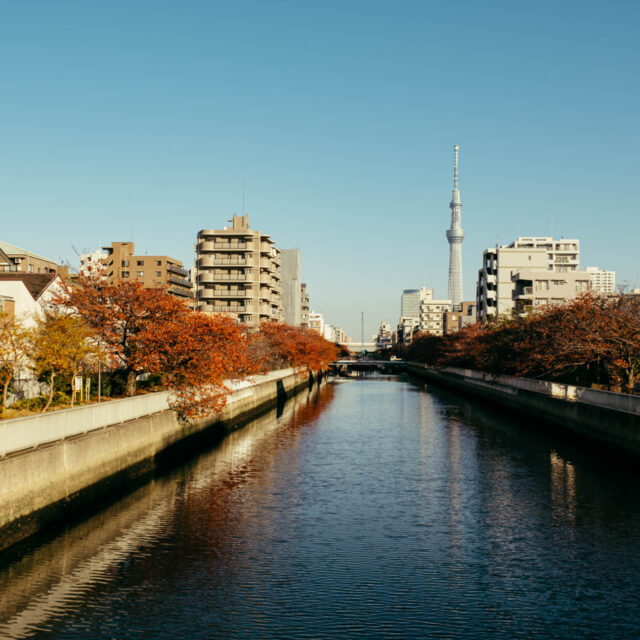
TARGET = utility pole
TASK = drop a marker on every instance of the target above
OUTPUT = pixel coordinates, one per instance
(362, 327)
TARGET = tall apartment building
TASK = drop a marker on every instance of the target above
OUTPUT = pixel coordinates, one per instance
(304, 306)
(238, 273)
(14, 258)
(602, 281)
(290, 269)
(153, 272)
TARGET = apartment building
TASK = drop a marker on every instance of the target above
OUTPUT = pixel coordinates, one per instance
(304, 306)
(410, 302)
(602, 281)
(536, 288)
(432, 314)
(238, 273)
(14, 258)
(316, 322)
(406, 328)
(153, 272)
(464, 317)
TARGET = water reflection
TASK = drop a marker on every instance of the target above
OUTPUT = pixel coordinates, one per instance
(373, 509)
(40, 586)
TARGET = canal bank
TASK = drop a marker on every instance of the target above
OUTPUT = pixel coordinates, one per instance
(54, 464)
(600, 417)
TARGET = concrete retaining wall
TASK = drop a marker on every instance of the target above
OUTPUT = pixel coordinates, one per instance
(79, 454)
(612, 419)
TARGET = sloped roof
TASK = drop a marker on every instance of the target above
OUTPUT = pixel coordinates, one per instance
(11, 249)
(36, 283)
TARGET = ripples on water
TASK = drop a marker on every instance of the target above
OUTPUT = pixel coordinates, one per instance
(370, 509)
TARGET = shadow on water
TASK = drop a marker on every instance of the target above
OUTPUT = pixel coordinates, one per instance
(36, 580)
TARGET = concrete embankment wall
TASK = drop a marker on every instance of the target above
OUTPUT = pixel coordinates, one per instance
(611, 419)
(57, 462)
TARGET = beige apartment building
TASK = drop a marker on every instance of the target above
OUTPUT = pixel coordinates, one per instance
(533, 288)
(152, 272)
(14, 258)
(238, 273)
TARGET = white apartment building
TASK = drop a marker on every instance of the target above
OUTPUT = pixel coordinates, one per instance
(406, 328)
(602, 281)
(432, 315)
(238, 273)
(562, 255)
(316, 322)
(495, 288)
(384, 338)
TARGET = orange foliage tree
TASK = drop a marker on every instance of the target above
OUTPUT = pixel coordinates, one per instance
(194, 354)
(147, 330)
(125, 317)
(283, 345)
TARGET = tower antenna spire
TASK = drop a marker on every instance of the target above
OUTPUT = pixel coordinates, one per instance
(455, 235)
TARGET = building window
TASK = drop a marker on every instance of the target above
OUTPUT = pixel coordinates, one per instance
(542, 285)
(140, 274)
(30, 268)
(158, 263)
(140, 263)
(158, 274)
(125, 263)
(125, 274)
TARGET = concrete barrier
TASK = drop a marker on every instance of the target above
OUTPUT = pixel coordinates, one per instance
(612, 419)
(74, 456)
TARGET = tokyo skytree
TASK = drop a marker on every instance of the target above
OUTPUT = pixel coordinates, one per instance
(455, 235)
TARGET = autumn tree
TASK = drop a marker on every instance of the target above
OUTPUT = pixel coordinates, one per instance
(195, 353)
(125, 317)
(59, 343)
(13, 352)
(296, 347)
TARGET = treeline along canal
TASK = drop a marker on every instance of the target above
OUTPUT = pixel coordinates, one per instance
(370, 508)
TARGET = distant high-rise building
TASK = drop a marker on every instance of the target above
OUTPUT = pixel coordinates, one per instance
(290, 268)
(455, 235)
(411, 300)
(602, 281)
(238, 273)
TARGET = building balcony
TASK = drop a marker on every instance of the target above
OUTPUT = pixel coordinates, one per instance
(210, 261)
(174, 268)
(208, 276)
(181, 282)
(211, 245)
(224, 293)
(181, 292)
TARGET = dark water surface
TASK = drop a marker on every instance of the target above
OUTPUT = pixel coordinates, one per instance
(371, 509)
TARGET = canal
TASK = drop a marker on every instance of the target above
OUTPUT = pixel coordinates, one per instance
(371, 508)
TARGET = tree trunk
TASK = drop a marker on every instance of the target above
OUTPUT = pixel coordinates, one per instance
(46, 406)
(131, 383)
(73, 388)
(4, 392)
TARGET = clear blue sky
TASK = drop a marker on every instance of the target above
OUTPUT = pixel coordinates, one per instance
(126, 119)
